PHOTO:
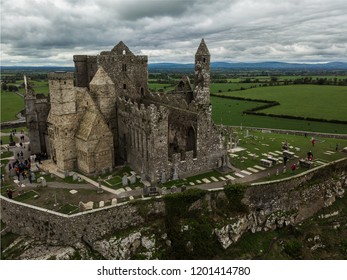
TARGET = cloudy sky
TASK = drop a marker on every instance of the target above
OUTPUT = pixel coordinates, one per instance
(50, 32)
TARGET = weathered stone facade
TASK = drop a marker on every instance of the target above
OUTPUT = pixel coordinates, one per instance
(111, 117)
(37, 107)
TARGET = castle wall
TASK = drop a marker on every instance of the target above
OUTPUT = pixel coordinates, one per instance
(271, 205)
(85, 69)
(37, 110)
(142, 136)
(128, 72)
(62, 119)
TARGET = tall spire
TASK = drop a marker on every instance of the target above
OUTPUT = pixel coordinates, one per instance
(202, 49)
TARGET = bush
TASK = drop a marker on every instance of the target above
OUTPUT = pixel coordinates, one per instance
(293, 249)
(235, 194)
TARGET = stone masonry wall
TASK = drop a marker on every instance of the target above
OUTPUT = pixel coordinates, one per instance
(271, 205)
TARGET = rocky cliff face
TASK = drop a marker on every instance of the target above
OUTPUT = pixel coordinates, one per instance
(198, 224)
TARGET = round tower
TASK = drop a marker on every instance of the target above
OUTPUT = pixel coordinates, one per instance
(202, 74)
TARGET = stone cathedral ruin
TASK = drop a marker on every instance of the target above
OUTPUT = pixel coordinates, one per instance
(104, 115)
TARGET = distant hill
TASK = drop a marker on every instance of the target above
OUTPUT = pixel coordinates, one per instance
(37, 68)
(255, 66)
(271, 65)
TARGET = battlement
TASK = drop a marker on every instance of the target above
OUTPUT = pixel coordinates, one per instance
(109, 57)
(60, 75)
(141, 110)
(80, 58)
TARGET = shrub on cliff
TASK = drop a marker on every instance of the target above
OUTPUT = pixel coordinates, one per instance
(235, 195)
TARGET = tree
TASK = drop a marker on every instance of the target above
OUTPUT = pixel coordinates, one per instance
(4, 87)
(12, 88)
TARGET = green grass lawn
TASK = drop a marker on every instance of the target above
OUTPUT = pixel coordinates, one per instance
(260, 143)
(18, 129)
(68, 209)
(5, 139)
(114, 180)
(229, 112)
(40, 87)
(328, 102)
(11, 104)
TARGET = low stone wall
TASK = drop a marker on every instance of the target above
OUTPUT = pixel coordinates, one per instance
(294, 132)
(56, 228)
(271, 205)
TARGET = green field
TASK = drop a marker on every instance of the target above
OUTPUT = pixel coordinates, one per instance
(157, 86)
(224, 87)
(11, 104)
(229, 112)
(328, 102)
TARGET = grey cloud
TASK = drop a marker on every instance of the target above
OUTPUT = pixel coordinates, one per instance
(242, 30)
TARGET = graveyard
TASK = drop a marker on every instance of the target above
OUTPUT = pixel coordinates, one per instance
(254, 155)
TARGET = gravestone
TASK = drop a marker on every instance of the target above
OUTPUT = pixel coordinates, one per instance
(164, 190)
(125, 180)
(43, 182)
(173, 189)
(132, 179)
(74, 177)
(175, 175)
(163, 177)
(101, 203)
(114, 201)
(33, 176)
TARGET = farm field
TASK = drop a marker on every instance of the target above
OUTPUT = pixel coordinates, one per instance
(229, 112)
(326, 102)
(317, 101)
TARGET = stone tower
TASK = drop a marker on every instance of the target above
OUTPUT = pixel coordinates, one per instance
(62, 119)
(202, 74)
(36, 111)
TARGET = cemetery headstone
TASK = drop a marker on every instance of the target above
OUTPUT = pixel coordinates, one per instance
(74, 177)
(43, 182)
(175, 175)
(132, 179)
(125, 180)
(163, 177)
